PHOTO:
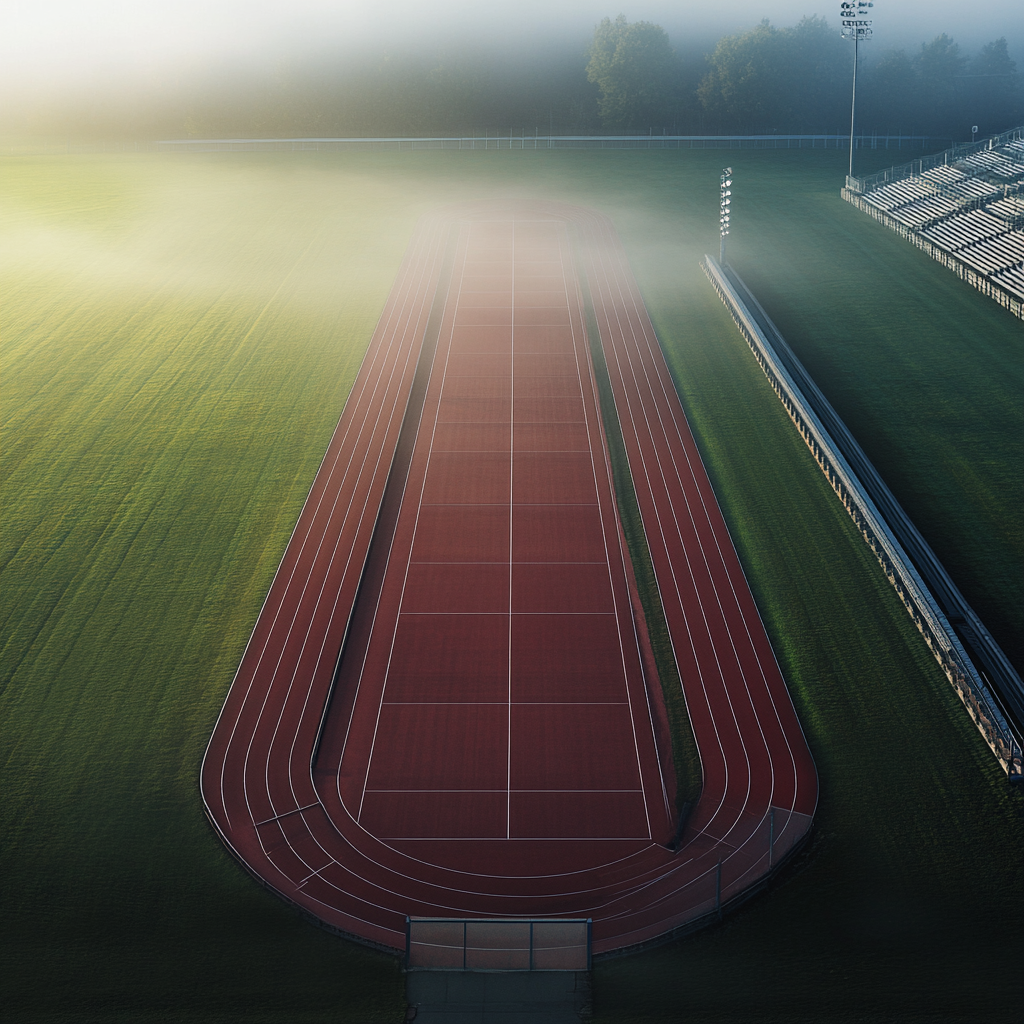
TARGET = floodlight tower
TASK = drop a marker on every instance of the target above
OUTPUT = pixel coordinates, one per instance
(856, 27)
(723, 216)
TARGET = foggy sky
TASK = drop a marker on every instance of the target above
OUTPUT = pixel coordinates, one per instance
(57, 40)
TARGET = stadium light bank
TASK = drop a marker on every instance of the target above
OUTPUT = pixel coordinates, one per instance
(725, 201)
(856, 27)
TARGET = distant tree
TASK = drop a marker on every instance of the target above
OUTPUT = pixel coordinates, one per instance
(993, 91)
(791, 79)
(895, 72)
(940, 68)
(814, 76)
(733, 93)
(940, 60)
(889, 95)
(635, 70)
(994, 59)
(941, 92)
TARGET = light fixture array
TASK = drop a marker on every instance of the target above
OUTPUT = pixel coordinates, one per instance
(724, 205)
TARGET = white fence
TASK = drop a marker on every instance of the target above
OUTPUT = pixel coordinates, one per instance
(510, 141)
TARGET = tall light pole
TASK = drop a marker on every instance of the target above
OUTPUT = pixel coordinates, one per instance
(856, 27)
(723, 207)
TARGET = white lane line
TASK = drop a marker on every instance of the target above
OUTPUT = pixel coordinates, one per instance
(390, 339)
(511, 528)
(412, 544)
(579, 336)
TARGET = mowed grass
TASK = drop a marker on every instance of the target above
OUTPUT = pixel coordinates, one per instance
(177, 347)
(178, 337)
(929, 379)
(892, 912)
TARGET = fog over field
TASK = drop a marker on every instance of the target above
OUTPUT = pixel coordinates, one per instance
(95, 40)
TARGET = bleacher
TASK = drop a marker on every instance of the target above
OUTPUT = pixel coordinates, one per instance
(923, 211)
(957, 232)
(968, 202)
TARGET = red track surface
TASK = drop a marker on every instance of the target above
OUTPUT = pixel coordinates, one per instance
(490, 748)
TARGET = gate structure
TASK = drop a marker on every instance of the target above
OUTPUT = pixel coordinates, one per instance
(497, 944)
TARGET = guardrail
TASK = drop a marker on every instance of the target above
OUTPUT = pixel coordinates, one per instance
(933, 625)
(524, 141)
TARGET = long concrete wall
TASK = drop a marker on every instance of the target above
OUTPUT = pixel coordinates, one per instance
(908, 583)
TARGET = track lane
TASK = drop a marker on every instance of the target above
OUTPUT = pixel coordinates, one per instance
(354, 882)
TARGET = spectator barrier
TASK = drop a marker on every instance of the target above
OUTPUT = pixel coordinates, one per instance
(933, 625)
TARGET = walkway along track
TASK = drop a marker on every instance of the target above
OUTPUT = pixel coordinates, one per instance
(287, 813)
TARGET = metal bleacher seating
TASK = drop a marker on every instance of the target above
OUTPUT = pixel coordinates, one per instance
(994, 254)
(958, 232)
(1009, 209)
(1012, 279)
(899, 193)
(971, 205)
(990, 163)
(943, 175)
(921, 210)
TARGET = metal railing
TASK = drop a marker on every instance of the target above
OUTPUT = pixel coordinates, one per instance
(914, 593)
(946, 158)
(473, 142)
(524, 141)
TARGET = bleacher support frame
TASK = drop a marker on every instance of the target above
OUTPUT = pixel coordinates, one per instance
(973, 277)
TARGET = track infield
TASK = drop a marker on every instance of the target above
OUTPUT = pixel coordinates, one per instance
(491, 746)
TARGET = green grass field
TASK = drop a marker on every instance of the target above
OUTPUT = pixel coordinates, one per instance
(929, 379)
(178, 335)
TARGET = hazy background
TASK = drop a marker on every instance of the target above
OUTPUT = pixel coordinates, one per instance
(173, 69)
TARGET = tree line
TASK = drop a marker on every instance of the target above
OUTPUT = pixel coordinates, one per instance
(797, 81)
(628, 78)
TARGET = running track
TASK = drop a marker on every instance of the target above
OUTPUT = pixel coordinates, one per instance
(494, 744)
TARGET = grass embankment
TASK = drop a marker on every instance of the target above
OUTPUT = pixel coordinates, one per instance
(178, 336)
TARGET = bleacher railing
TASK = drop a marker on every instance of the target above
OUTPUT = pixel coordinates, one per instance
(946, 158)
